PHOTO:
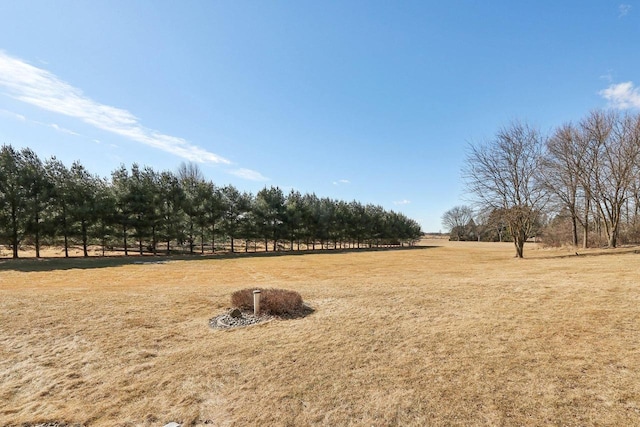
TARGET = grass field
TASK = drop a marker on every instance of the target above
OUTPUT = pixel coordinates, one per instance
(448, 334)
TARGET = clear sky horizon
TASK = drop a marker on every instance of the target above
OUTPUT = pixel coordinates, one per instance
(355, 100)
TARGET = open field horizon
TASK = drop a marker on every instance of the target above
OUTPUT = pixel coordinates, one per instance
(454, 333)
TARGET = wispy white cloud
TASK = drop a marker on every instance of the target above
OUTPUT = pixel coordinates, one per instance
(43, 89)
(622, 95)
(623, 10)
(341, 182)
(63, 130)
(402, 202)
(22, 118)
(98, 142)
(249, 174)
(608, 76)
(12, 115)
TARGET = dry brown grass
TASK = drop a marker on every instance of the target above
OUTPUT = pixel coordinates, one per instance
(461, 334)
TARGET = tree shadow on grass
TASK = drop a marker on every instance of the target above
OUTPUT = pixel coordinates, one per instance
(60, 263)
(305, 311)
(594, 253)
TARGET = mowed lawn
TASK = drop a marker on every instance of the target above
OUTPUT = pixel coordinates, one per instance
(453, 334)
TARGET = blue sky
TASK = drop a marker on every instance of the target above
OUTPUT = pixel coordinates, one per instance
(368, 100)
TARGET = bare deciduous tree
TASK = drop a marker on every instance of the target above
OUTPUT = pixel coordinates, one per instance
(565, 173)
(456, 219)
(614, 145)
(503, 174)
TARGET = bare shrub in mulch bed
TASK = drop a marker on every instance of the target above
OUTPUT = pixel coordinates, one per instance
(273, 302)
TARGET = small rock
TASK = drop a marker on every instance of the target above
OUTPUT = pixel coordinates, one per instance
(235, 313)
(172, 424)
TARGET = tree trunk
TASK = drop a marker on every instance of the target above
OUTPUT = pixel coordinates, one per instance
(65, 232)
(574, 229)
(37, 244)
(37, 236)
(84, 238)
(66, 245)
(613, 234)
(519, 243)
(191, 237)
(213, 239)
(585, 235)
(14, 232)
(124, 238)
(153, 240)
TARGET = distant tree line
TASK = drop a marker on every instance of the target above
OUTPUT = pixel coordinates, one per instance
(580, 185)
(480, 226)
(45, 203)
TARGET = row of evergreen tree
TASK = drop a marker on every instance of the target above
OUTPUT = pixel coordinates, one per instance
(142, 210)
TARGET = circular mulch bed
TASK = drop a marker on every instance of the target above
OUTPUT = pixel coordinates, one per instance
(236, 318)
(227, 321)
